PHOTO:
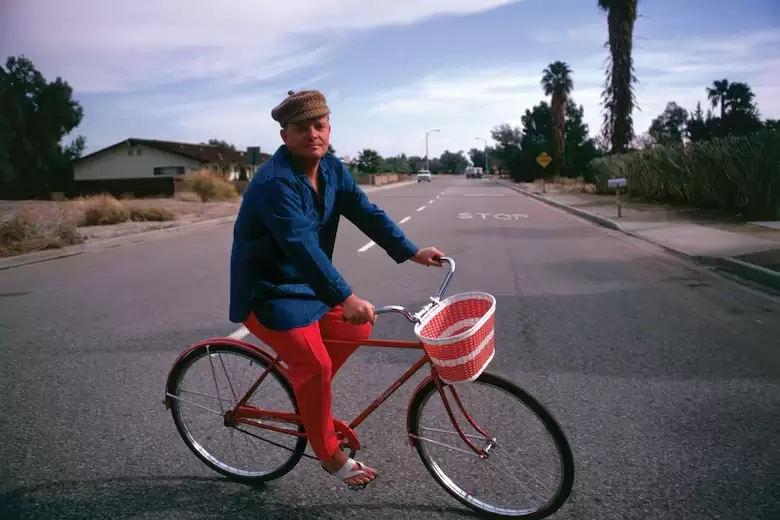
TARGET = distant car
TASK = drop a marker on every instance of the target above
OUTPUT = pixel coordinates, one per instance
(423, 175)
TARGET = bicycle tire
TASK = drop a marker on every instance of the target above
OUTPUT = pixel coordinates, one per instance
(178, 372)
(552, 426)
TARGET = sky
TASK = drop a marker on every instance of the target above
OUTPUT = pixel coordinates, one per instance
(191, 70)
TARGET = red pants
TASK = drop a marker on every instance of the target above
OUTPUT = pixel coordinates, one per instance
(312, 366)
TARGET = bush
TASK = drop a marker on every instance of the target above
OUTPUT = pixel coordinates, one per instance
(740, 175)
(103, 210)
(151, 214)
(209, 187)
(23, 232)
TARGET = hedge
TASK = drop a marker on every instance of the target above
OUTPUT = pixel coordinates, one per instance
(739, 175)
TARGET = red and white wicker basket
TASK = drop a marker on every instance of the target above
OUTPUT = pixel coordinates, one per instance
(458, 336)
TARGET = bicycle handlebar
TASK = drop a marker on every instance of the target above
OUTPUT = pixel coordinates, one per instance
(414, 318)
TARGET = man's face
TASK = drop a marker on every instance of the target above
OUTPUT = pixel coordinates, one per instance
(308, 139)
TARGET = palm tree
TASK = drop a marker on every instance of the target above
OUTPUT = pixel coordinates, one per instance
(618, 93)
(557, 82)
(740, 96)
(718, 95)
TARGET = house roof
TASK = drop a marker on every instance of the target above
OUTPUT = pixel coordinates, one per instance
(204, 153)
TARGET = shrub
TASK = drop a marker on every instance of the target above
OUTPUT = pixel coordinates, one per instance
(740, 175)
(103, 210)
(23, 232)
(151, 214)
(209, 187)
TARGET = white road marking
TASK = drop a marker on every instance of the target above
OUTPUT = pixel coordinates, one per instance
(240, 333)
(430, 201)
(366, 247)
(497, 216)
(405, 220)
(421, 208)
(437, 196)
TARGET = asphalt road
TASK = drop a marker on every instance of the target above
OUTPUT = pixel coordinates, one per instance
(666, 378)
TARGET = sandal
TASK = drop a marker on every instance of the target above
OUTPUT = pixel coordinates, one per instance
(346, 472)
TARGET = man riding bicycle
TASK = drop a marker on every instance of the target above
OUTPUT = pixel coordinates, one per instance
(283, 285)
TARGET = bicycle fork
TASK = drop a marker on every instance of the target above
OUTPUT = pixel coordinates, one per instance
(483, 453)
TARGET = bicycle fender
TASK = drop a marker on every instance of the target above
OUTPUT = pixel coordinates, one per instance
(249, 347)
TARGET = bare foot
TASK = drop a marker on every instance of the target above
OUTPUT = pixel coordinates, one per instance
(338, 460)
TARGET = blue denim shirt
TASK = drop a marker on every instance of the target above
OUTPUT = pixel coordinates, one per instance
(281, 261)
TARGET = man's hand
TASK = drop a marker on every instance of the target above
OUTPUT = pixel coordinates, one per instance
(429, 256)
(357, 311)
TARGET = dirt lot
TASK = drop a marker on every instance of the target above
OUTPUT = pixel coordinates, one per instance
(27, 226)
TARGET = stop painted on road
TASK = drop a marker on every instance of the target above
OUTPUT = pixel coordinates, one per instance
(497, 216)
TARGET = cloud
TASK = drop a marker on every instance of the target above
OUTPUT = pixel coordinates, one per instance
(109, 47)
(466, 104)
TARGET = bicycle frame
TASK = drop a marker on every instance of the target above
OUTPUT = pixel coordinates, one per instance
(244, 414)
(249, 415)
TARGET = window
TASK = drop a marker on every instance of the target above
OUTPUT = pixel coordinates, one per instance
(169, 170)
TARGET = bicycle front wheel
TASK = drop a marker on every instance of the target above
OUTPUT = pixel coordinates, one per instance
(501, 418)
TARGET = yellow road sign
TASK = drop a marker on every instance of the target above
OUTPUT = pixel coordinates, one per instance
(543, 159)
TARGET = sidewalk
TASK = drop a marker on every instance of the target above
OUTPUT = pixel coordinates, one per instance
(747, 249)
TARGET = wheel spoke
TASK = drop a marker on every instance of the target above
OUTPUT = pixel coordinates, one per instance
(213, 441)
(479, 484)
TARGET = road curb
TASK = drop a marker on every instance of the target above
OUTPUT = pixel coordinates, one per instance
(745, 270)
(106, 243)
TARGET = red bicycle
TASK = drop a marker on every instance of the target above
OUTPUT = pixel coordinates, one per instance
(268, 408)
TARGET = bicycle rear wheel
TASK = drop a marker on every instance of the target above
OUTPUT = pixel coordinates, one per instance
(208, 382)
(488, 400)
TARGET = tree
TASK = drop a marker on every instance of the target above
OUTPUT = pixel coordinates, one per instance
(518, 148)
(618, 96)
(331, 149)
(717, 95)
(369, 161)
(450, 162)
(556, 82)
(670, 126)
(477, 156)
(221, 143)
(35, 115)
(397, 164)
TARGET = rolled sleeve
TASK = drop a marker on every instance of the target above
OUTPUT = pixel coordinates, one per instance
(373, 221)
(298, 237)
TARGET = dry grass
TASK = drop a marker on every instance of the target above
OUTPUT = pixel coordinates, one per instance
(105, 210)
(564, 185)
(25, 232)
(210, 187)
(28, 226)
(738, 175)
(151, 214)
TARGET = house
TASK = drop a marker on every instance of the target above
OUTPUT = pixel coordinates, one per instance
(150, 166)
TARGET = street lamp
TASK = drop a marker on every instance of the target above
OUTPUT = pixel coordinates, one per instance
(426, 147)
(487, 170)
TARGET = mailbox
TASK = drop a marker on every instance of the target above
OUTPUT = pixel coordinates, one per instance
(617, 183)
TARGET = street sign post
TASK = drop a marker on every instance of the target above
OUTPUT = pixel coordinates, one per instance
(617, 184)
(543, 159)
